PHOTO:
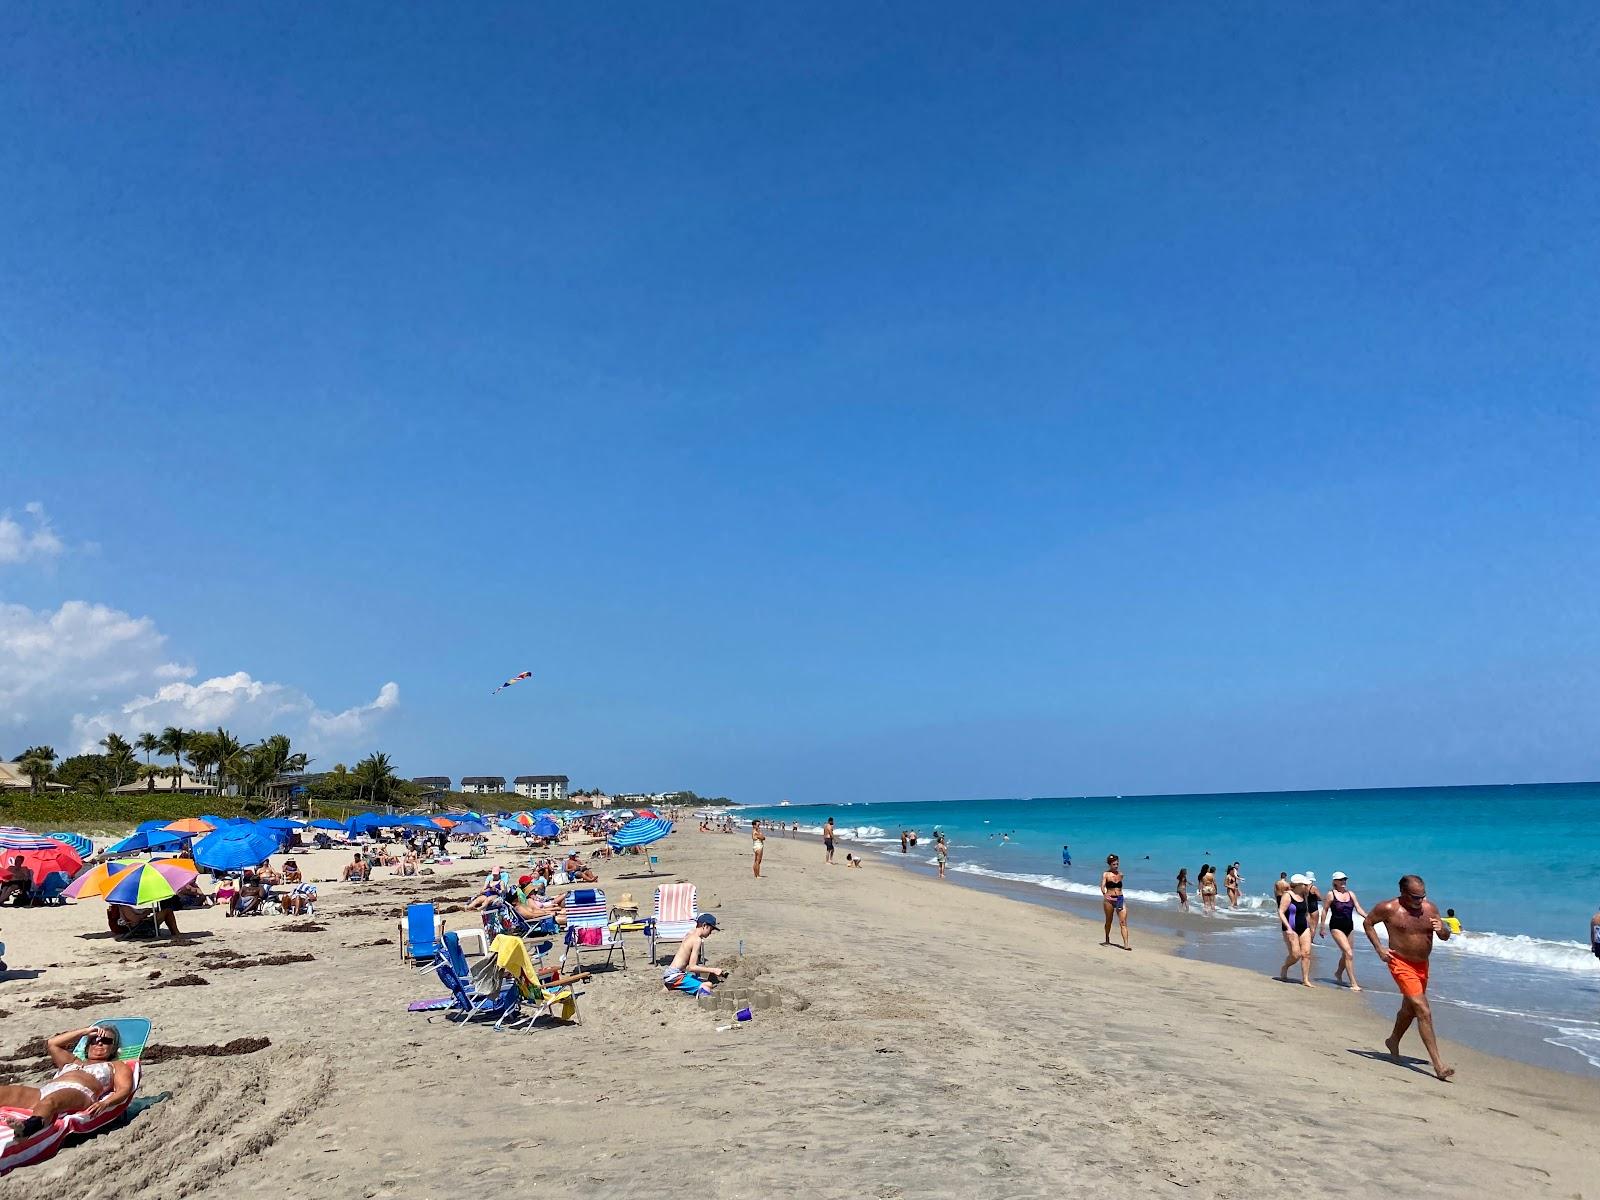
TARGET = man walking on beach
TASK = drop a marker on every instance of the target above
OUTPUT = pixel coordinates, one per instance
(1412, 923)
(827, 839)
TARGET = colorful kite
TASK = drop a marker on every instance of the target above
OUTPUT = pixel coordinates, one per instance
(509, 682)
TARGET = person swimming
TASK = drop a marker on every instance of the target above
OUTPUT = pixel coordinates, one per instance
(1066, 856)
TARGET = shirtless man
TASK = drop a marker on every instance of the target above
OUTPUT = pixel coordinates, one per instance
(1413, 922)
(827, 839)
(686, 974)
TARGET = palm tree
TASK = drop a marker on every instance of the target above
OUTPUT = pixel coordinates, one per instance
(230, 757)
(175, 741)
(147, 744)
(202, 753)
(375, 773)
(119, 758)
(38, 762)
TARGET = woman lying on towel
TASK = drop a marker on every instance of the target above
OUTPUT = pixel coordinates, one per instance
(77, 1086)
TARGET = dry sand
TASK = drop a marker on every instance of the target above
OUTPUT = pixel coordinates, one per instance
(911, 1038)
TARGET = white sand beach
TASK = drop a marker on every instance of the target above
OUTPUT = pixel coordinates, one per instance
(910, 1038)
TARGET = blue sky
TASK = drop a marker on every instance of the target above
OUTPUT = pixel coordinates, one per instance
(826, 403)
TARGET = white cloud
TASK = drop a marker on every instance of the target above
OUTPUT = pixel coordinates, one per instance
(251, 708)
(37, 539)
(94, 670)
(51, 661)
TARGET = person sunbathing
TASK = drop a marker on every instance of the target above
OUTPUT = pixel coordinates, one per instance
(297, 901)
(251, 897)
(90, 1087)
(534, 908)
(291, 872)
(357, 870)
(126, 922)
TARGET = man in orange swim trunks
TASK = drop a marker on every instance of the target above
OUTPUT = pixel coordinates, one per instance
(1413, 922)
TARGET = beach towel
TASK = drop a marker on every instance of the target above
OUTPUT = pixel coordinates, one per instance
(514, 960)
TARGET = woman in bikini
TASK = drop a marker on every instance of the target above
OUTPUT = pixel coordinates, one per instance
(1231, 881)
(1339, 915)
(1114, 901)
(757, 844)
(1183, 888)
(77, 1085)
(1208, 887)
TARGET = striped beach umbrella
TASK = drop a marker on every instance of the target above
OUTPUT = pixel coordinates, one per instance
(150, 883)
(77, 841)
(641, 831)
(12, 838)
(49, 859)
(97, 880)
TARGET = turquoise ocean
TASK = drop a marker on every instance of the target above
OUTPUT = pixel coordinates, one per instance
(1520, 865)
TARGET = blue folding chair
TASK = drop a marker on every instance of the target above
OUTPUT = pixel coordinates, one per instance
(477, 994)
(50, 888)
(420, 933)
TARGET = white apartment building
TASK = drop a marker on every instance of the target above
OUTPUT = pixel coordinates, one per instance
(545, 788)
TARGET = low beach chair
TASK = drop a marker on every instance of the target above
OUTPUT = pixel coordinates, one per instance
(674, 916)
(135, 1034)
(589, 927)
(420, 936)
(50, 888)
(480, 990)
(539, 997)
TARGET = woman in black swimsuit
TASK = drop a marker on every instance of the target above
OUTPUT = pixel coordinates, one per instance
(1111, 895)
(1339, 915)
(1295, 918)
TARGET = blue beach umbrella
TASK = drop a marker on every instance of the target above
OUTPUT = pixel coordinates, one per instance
(469, 829)
(217, 822)
(546, 828)
(235, 847)
(285, 823)
(77, 841)
(641, 831)
(330, 823)
(147, 826)
(153, 839)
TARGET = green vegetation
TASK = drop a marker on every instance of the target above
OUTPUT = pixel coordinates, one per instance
(81, 811)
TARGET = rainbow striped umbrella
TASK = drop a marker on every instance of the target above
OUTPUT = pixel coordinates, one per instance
(77, 841)
(97, 880)
(152, 882)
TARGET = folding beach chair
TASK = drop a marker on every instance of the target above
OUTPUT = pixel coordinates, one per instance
(50, 888)
(479, 991)
(420, 935)
(675, 914)
(589, 927)
(539, 996)
(15, 1152)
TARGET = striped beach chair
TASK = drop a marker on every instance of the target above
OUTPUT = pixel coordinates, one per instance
(674, 918)
(589, 927)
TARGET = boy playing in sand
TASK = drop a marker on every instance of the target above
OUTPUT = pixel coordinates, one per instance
(686, 974)
(1412, 922)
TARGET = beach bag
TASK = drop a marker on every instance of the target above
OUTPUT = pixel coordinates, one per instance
(591, 936)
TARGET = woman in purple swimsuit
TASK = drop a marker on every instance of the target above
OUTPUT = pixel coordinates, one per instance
(1339, 914)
